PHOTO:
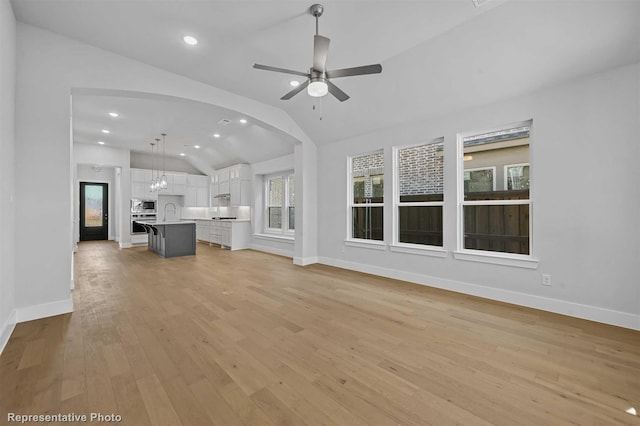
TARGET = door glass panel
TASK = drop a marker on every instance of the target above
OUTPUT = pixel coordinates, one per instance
(93, 214)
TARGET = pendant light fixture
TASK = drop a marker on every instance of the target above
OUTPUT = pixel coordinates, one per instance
(156, 181)
(163, 180)
(152, 185)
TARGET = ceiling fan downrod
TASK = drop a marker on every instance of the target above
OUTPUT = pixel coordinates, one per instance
(316, 10)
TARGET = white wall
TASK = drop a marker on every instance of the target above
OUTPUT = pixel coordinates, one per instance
(141, 160)
(584, 154)
(49, 67)
(7, 171)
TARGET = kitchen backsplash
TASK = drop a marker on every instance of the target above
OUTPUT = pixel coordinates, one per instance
(239, 212)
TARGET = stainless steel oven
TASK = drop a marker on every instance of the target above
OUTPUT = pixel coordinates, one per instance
(136, 228)
(143, 206)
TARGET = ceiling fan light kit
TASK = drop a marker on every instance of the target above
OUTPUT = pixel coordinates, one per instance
(317, 87)
(318, 82)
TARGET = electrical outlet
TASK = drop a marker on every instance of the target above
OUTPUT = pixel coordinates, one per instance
(546, 279)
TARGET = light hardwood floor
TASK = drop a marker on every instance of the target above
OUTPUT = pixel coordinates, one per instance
(226, 338)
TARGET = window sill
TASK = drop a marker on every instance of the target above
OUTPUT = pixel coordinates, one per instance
(497, 259)
(372, 245)
(272, 237)
(419, 250)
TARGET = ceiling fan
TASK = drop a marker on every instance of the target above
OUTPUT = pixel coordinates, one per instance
(318, 81)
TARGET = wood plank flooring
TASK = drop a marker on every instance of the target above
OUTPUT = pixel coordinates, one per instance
(247, 338)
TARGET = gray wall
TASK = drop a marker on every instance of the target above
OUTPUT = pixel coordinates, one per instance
(584, 230)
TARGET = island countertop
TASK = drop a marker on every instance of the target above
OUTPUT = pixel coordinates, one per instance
(168, 222)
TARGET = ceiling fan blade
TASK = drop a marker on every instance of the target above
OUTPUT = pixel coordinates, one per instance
(295, 91)
(348, 72)
(335, 91)
(320, 52)
(283, 70)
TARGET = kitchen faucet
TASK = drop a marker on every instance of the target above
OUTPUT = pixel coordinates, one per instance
(164, 219)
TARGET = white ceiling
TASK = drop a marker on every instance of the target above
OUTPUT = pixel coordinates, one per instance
(186, 124)
(437, 56)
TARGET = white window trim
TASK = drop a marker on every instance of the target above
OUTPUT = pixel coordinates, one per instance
(484, 256)
(396, 245)
(284, 231)
(350, 240)
(367, 244)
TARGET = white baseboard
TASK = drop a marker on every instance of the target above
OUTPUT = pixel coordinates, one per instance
(44, 310)
(592, 313)
(7, 329)
(124, 245)
(304, 261)
(272, 250)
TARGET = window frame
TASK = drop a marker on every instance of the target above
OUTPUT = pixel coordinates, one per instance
(350, 239)
(414, 248)
(284, 215)
(486, 256)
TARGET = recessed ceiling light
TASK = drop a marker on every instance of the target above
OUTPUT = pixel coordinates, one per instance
(294, 83)
(216, 135)
(114, 114)
(190, 40)
(100, 143)
(182, 154)
(243, 120)
(196, 146)
(105, 131)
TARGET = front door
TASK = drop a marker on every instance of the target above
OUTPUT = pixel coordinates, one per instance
(94, 217)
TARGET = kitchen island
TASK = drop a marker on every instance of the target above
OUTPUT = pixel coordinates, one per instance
(171, 239)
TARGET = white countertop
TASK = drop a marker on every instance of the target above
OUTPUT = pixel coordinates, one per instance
(170, 222)
(219, 220)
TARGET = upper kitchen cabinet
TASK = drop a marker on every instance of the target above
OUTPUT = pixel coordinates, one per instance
(231, 186)
(197, 194)
(240, 185)
(140, 185)
(223, 181)
(176, 184)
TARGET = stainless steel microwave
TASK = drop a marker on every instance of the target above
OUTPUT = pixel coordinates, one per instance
(143, 206)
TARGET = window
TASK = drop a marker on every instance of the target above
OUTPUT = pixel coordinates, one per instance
(280, 196)
(292, 202)
(516, 176)
(420, 194)
(480, 180)
(496, 204)
(367, 196)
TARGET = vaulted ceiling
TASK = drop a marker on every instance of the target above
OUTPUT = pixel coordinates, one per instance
(437, 56)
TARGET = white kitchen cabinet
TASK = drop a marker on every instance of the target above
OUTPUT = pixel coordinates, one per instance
(140, 185)
(197, 191)
(203, 230)
(240, 191)
(234, 235)
(240, 185)
(223, 181)
(215, 232)
(176, 184)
